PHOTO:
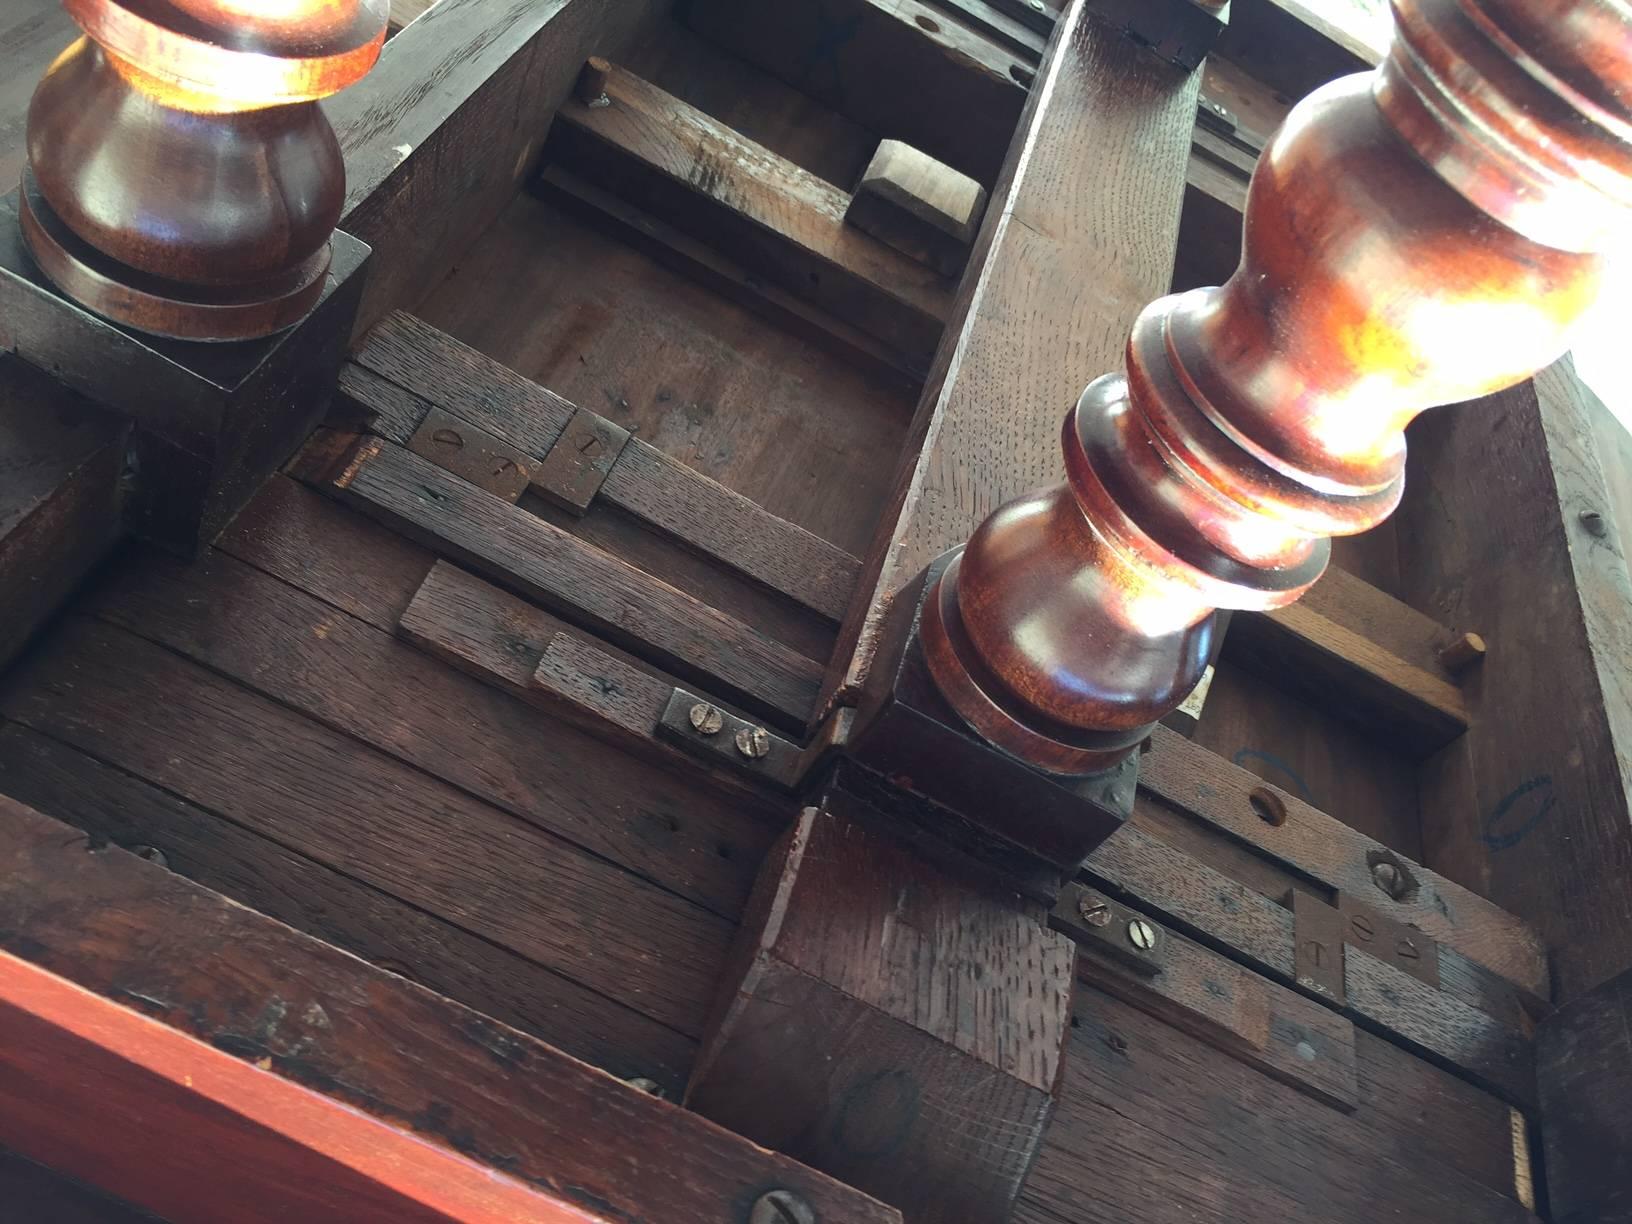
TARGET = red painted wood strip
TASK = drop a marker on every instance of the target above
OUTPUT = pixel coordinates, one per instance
(180, 1128)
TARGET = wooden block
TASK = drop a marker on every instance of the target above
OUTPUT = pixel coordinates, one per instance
(230, 977)
(573, 471)
(918, 206)
(523, 551)
(1370, 658)
(1584, 1075)
(783, 221)
(888, 1023)
(1235, 1009)
(489, 463)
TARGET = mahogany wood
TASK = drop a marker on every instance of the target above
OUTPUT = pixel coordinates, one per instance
(181, 177)
(1258, 419)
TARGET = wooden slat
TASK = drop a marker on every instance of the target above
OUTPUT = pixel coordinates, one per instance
(437, 137)
(1371, 659)
(1153, 1125)
(1215, 791)
(1264, 1024)
(1094, 185)
(247, 985)
(360, 812)
(187, 1130)
(409, 365)
(787, 223)
(111, 805)
(290, 647)
(1490, 1050)
(612, 597)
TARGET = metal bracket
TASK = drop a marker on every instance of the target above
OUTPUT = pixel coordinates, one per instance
(703, 728)
(1100, 924)
(1321, 932)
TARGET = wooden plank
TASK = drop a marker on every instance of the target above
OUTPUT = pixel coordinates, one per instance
(785, 222)
(905, 70)
(437, 137)
(111, 805)
(1213, 790)
(631, 608)
(61, 458)
(707, 265)
(288, 646)
(360, 812)
(243, 983)
(41, 1196)
(1327, 648)
(1532, 807)
(1584, 1065)
(1152, 1125)
(645, 482)
(1024, 341)
(1267, 1026)
(201, 1133)
(1469, 1028)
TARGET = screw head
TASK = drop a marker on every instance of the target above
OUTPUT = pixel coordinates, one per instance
(1408, 949)
(1094, 913)
(448, 437)
(753, 742)
(152, 854)
(705, 719)
(1361, 925)
(649, 1086)
(1388, 878)
(781, 1207)
(1141, 934)
(1035, 6)
(1593, 522)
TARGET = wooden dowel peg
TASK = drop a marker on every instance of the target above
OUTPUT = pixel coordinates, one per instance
(592, 80)
(1463, 653)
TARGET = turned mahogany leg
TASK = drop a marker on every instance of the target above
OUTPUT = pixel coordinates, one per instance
(1424, 234)
(181, 177)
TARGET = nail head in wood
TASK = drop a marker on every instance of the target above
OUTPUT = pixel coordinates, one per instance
(921, 207)
(1463, 653)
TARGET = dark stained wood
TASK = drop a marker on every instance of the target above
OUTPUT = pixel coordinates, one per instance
(786, 223)
(528, 554)
(290, 647)
(1023, 341)
(111, 805)
(61, 458)
(1531, 806)
(1326, 648)
(714, 384)
(1212, 790)
(199, 1133)
(41, 1196)
(1305, 747)
(323, 1019)
(938, 1013)
(789, 122)
(359, 811)
(1584, 1065)
(642, 481)
(438, 136)
(1153, 1125)
(1231, 1007)
(900, 68)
